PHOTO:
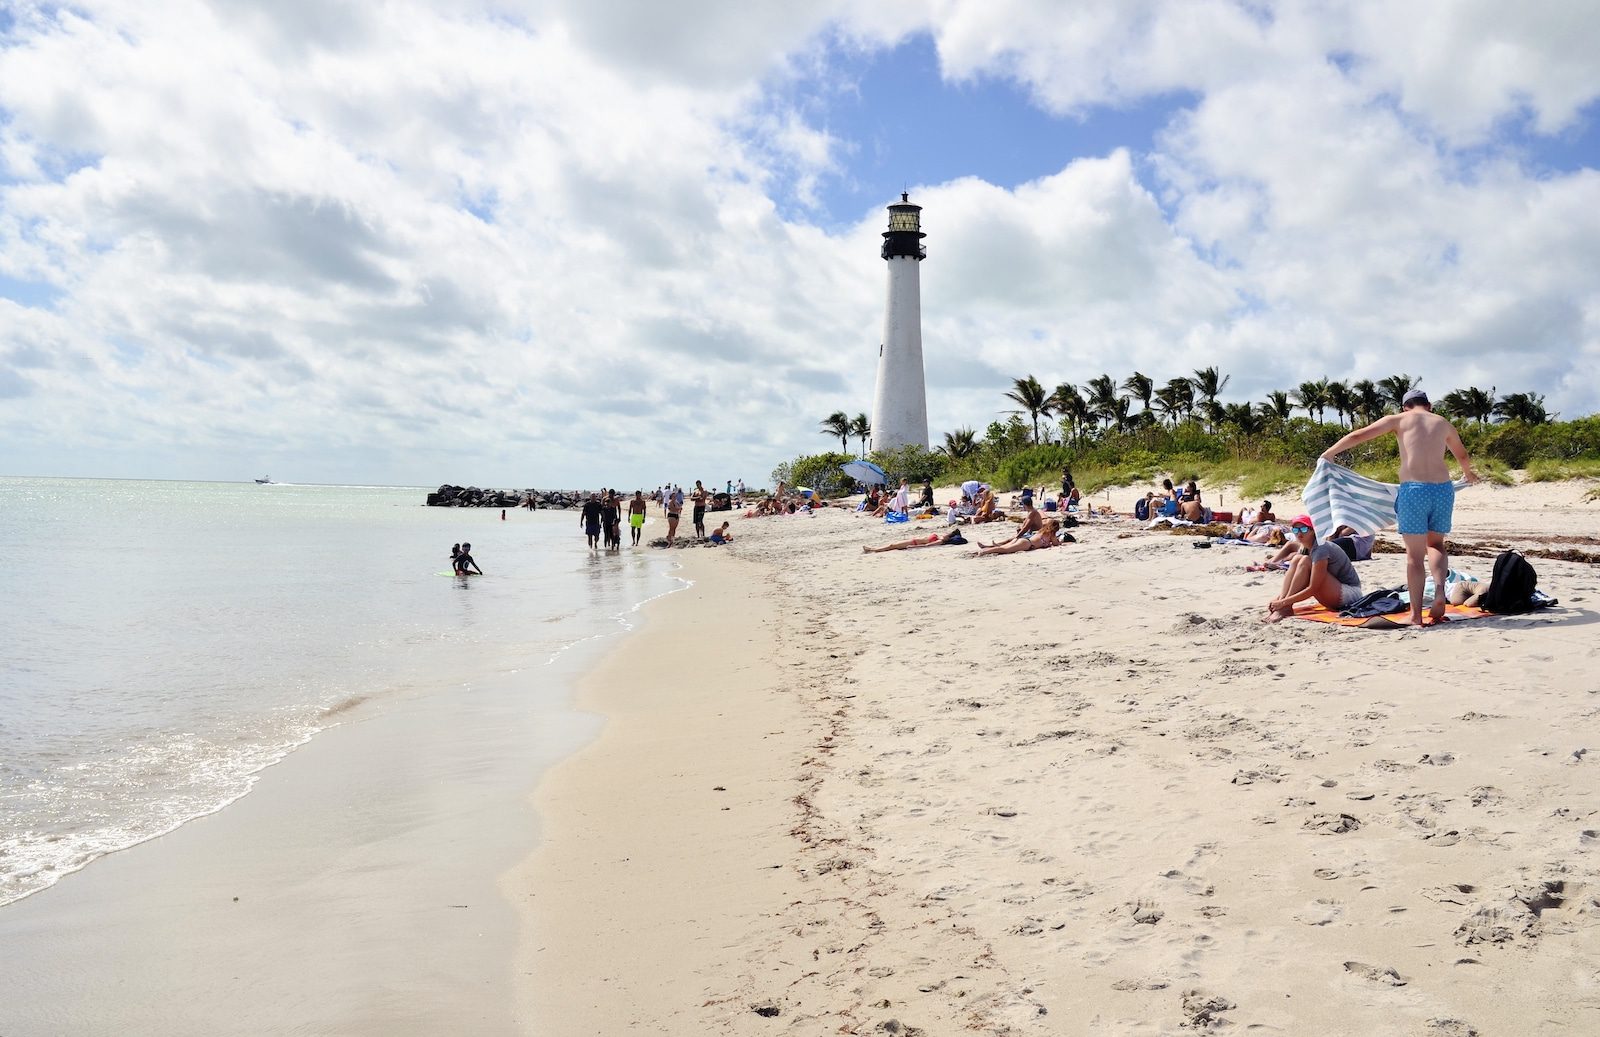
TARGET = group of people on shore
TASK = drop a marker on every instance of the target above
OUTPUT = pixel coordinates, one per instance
(1319, 568)
(601, 518)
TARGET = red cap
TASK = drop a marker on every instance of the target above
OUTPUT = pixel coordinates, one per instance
(1304, 520)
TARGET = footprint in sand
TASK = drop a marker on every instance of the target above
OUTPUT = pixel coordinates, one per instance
(1201, 1010)
(1319, 912)
(1144, 912)
(1449, 1028)
(1331, 824)
(1375, 973)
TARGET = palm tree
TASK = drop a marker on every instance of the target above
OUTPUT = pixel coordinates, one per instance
(1183, 395)
(838, 424)
(1141, 386)
(1471, 403)
(1313, 396)
(1028, 394)
(1340, 400)
(1278, 406)
(1119, 415)
(1526, 407)
(960, 444)
(1242, 416)
(861, 428)
(1070, 404)
(1169, 404)
(1103, 398)
(1209, 382)
(1395, 387)
(1368, 400)
(1212, 412)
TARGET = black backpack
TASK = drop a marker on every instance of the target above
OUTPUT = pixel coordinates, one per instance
(1511, 586)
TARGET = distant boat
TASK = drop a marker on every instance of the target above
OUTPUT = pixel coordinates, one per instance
(265, 480)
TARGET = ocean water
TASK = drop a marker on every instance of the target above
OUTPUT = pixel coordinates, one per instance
(161, 643)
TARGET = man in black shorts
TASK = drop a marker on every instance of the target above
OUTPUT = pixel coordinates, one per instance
(699, 497)
(589, 519)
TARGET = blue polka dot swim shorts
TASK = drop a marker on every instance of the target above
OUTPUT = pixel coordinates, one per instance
(1425, 507)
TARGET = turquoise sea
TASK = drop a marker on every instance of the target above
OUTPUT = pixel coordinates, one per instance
(165, 642)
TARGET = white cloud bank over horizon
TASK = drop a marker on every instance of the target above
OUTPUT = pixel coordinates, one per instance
(561, 244)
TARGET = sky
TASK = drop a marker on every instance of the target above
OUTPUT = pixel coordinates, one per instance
(569, 243)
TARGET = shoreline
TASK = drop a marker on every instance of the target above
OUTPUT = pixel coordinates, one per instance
(353, 889)
(666, 835)
(1078, 791)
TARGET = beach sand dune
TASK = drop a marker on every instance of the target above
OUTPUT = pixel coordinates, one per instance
(1086, 791)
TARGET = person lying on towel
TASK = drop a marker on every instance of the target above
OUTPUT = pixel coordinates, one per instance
(1321, 571)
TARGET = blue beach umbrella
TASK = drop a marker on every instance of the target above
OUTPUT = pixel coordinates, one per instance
(865, 471)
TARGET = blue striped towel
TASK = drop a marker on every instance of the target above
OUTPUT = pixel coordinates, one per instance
(1336, 496)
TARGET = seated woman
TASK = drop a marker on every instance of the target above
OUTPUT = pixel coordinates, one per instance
(1320, 571)
(986, 507)
(951, 536)
(1046, 537)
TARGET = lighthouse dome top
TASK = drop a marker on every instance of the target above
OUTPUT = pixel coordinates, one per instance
(903, 238)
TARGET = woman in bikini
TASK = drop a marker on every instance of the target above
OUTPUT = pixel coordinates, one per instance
(952, 536)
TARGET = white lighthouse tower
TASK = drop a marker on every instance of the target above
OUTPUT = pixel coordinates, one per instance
(900, 405)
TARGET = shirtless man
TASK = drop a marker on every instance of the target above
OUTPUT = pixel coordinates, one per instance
(699, 498)
(1032, 522)
(1427, 499)
(636, 515)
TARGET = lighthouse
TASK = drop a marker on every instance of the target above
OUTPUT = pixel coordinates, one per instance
(900, 404)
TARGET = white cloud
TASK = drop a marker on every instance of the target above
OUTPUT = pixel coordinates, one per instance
(555, 243)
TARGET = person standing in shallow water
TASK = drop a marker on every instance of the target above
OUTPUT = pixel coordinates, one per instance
(589, 519)
(1425, 505)
(636, 516)
(611, 519)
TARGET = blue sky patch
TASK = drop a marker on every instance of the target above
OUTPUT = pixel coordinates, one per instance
(899, 123)
(34, 294)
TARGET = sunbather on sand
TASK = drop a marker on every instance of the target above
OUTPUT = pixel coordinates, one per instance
(1321, 571)
(1032, 522)
(1046, 537)
(952, 536)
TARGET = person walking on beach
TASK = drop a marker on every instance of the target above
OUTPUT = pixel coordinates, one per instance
(1426, 501)
(611, 519)
(589, 519)
(636, 516)
(699, 499)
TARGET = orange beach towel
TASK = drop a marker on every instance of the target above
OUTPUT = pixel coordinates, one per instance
(1392, 621)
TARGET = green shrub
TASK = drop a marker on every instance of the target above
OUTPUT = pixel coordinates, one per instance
(909, 462)
(820, 472)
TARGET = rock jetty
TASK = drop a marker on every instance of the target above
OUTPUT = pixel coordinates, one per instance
(448, 496)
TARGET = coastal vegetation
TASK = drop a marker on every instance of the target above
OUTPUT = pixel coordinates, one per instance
(1112, 432)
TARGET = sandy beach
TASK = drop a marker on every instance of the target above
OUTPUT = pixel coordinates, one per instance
(1078, 791)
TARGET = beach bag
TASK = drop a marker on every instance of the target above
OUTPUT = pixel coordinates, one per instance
(1141, 509)
(1511, 586)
